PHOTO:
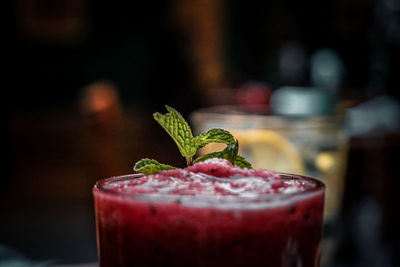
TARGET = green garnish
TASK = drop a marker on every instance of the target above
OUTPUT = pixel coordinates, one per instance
(188, 145)
(150, 166)
(179, 130)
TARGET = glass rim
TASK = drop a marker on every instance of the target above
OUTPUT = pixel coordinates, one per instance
(316, 188)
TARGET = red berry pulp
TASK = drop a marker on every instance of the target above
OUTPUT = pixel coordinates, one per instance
(209, 214)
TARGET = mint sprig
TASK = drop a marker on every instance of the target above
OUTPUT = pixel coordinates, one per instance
(188, 145)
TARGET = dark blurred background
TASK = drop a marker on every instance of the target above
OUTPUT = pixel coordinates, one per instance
(83, 77)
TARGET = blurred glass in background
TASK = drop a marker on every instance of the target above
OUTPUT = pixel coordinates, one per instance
(300, 135)
(312, 146)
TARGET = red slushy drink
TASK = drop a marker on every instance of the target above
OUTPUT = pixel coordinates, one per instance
(209, 214)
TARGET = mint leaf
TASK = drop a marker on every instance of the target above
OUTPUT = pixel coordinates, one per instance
(229, 153)
(150, 166)
(179, 130)
(242, 162)
(214, 136)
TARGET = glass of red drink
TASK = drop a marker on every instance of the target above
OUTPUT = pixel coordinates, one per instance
(215, 218)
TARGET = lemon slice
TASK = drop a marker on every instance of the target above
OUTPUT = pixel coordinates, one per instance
(265, 149)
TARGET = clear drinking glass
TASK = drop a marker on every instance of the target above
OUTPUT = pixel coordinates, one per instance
(180, 230)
